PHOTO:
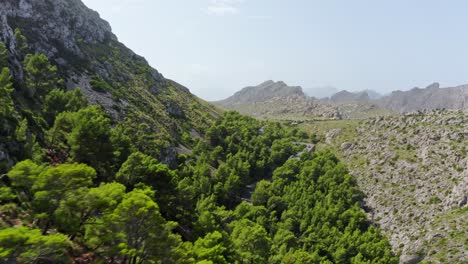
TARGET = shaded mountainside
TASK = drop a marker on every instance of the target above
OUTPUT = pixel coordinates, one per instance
(88, 56)
(429, 98)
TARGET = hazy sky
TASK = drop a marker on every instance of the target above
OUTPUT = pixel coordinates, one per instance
(216, 47)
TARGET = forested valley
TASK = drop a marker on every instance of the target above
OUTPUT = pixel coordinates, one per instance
(84, 187)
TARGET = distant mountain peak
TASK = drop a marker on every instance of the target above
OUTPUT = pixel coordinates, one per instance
(431, 97)
(350, 97)
(269, 82)
(263, 92)
(435, 85)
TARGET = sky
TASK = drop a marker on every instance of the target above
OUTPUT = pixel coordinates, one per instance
(217, 47)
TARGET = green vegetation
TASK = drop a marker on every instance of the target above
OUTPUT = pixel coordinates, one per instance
(3, 56)
(444, 248)
(100, 85)
(21, 41)
(86, 184)
(23, 245)
(41, 76)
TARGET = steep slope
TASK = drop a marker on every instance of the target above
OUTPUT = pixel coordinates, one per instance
(429, 98)
(89, 56)
(413, 170)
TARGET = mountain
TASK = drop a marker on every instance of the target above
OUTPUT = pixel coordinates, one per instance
(429, 98)
(89, 56)
(355, 97)
(417, 99)
(373, 94)
(344, 97)
(261, 93)
(321, 91)
(277, 100)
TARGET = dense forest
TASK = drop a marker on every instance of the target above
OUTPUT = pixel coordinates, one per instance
(84, 187)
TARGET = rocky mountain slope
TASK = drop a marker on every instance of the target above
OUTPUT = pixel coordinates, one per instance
(429, 98)
(261, 93)
(343, 97)
(277, 100)
(89, 56)
(293, 107)
(413, 169)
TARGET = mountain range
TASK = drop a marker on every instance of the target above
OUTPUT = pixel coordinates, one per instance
(429, 98)
(347, 104)
(262, 92)
(275, 100)
(104, 160)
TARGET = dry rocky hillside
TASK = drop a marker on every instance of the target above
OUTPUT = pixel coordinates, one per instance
(290, 107)
(261, 93)
(431, 97)
(413, 169)
(277, 100)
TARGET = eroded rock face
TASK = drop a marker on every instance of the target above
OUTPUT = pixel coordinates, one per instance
(67, 31)
(64, 21)
(77, 40)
